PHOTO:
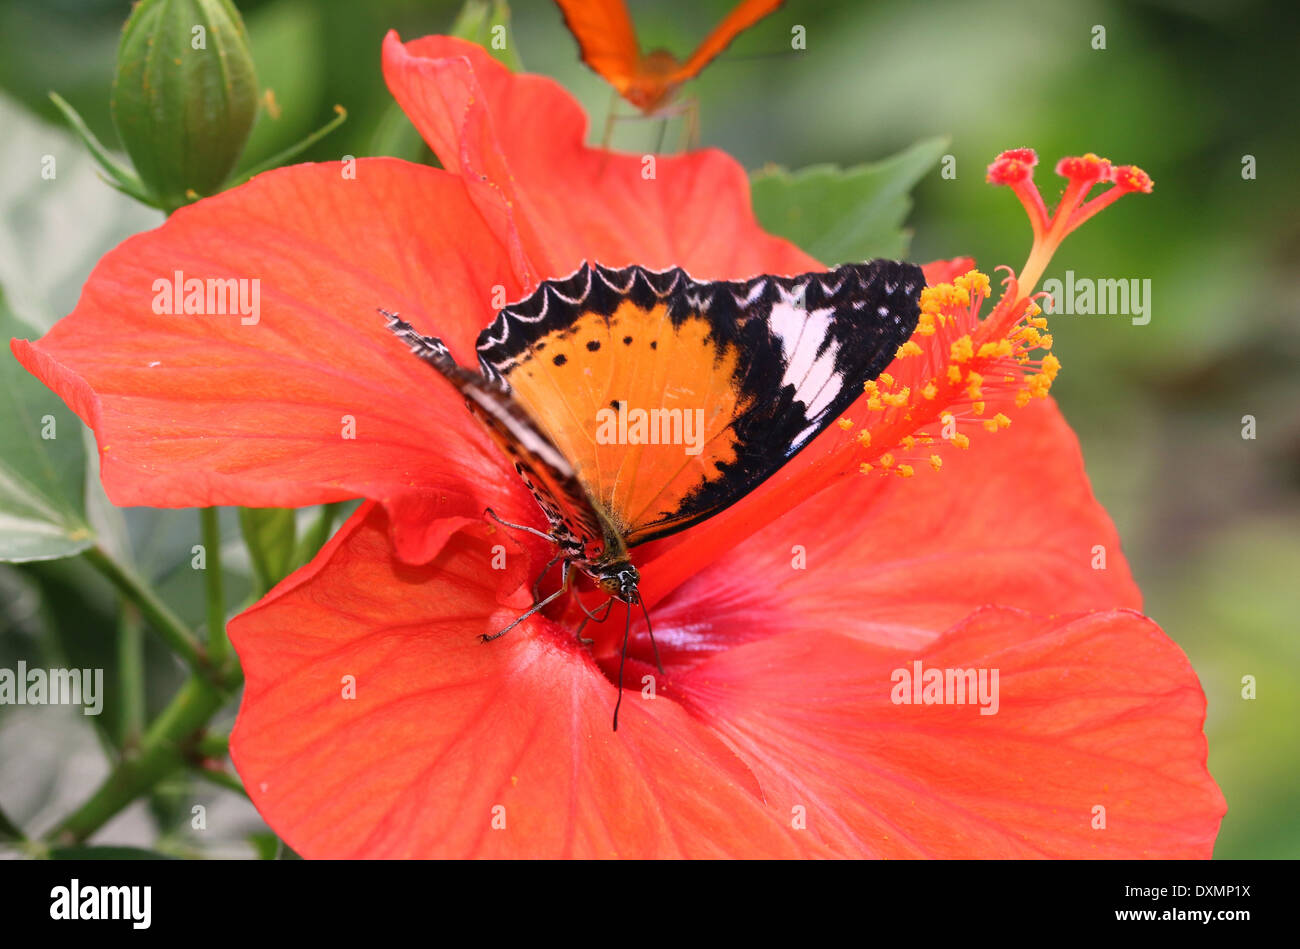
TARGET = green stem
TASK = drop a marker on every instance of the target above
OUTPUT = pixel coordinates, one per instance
(165, 748)
(160, 616)
(213, 746)
(130, 661)
(218, 643)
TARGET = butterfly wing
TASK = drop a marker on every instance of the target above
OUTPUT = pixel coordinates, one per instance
(605, 37)
(576, 526)
(742, 17)
(673, 398)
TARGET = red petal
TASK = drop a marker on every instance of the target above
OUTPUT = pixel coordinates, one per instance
(443, 728)
(197, 410)
(518, 142)
(1101, 709)
(1012, 521)
(946, 271)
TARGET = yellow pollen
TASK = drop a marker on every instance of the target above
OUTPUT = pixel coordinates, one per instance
(874, 403)
(909, 349)
(1040, 322)
(1051, 366)
(864, 438)
(865, 467)
(908, 442)
(954, 375)
(963, 349)
(869, 387)
(1046, 341)
(905, 471)
(1038, 385)
(1022, 398)
(977, 408)
(886, 381)
(886, 460)
(1002, 348)
(930, 390)
(897, 399)
(961, 441)
(845, 423)
(936, 462)
(974, 282)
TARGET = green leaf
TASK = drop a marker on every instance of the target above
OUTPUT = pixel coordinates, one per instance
(270, 533)
(42, 471)
(840, 215)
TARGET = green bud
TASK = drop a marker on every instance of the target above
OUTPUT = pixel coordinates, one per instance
(184, 96)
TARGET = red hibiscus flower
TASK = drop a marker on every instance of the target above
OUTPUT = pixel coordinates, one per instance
(375, 724)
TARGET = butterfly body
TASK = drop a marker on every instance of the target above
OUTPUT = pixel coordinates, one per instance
(652, 85)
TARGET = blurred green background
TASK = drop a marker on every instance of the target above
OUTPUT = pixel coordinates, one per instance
(1184, 88)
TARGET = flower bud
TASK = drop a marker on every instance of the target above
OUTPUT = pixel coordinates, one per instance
(184, 95)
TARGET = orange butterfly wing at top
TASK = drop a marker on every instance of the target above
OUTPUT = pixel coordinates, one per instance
(606, 38)
(742, 17)
(609, 46)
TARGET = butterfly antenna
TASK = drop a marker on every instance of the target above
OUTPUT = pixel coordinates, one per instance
(627, 629)
(650, 630)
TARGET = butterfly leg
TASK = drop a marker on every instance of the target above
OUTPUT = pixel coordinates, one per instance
(627, 630)
(537, 584)
(692, 123)
(610, 118)
(519, 527)
(607, 606)
(564, 588)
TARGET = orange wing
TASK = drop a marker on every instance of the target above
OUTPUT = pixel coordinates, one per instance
(606, 37)
(669, 399)
(741, 18)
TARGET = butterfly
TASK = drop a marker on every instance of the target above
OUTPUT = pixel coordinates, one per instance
(609, 46)
(636, 403)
